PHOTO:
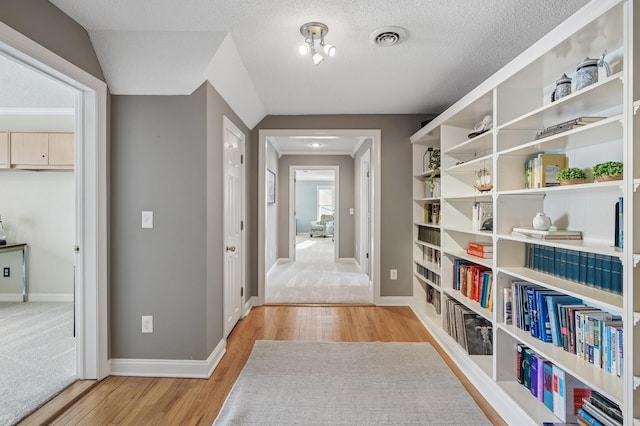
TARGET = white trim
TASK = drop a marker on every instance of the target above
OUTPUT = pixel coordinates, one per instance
(510, 412)
(350, 260)
(10, 297)
(91, 209)
(182, 368)
(364, 231)
(279, 261)
(37, 111)
(50, 297)
(249, 304)
(376, 140)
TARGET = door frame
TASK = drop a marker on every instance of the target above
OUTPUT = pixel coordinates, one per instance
(364, 234)
(375, 135)
(292, 208)
(91, 196)
(227, 124)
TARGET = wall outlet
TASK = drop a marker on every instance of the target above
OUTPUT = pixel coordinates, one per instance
(6, 272)
(393, 274)
(147, 219)
(147, 324)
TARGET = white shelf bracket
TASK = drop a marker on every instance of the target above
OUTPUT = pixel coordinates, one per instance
(635, 261)
(636, 382)
(636, 106)
(636, 318)
(635, 186)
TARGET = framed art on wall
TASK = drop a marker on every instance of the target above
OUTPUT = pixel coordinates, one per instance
(271, 187)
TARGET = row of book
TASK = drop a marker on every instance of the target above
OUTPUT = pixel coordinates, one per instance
(593, 269)
(433, 298)
(599, 410)
(541, 171)
(482, 216)
(432, 213)
(429, 235)
(428, 274)
(431, 255)
(472, 331)
(558, 391)
(474, 281)
(590, 333)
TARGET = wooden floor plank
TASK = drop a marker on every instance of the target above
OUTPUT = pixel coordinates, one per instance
(169, 401)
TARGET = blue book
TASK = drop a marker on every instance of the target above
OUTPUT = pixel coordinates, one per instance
(534, 374)
(560, 263)
(537, 258)
(582, 277)
(573, 265)
(547, 259)
(607, 273)
(532, 307)
(588, 417)
(547, 392)
(598, 267)
(616, 275)
(620, 363)
(591, 269)
(544, 326)
(552, 310)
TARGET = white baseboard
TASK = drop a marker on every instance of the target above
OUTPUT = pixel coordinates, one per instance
(10, 297)
(50, 297)
(346, 260)
(249, 304)
(394, 301)
(183, 368)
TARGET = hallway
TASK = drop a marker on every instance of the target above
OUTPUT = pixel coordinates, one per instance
(316, 278)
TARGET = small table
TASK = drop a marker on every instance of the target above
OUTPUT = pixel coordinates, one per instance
(9, 247)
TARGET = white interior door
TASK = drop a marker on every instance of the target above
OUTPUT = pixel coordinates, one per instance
(365, 213)
(233, 224)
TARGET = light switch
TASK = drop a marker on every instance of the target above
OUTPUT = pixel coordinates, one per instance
(351, 210)
(147, 219)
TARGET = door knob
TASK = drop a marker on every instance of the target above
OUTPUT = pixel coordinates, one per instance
(231, 248)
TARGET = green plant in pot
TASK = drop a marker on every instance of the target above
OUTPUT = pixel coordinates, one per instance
(610, 170)
(571, 176)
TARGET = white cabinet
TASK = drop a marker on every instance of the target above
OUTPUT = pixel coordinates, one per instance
(518, 100)
(40, 150)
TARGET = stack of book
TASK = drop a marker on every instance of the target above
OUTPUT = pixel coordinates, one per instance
(433, 298)
(428, 274)
(470, 330)
(483, 250)
(556, 234)
(567, 125)
(429, 235)
(560, 392)
(432, 213)
(598, 409)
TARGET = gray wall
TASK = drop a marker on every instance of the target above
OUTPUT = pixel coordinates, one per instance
(396, 197)
(47, 25)
(343, 218)
(307, 203)
(166, 154)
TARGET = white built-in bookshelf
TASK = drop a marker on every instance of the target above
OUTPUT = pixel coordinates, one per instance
(518, 98)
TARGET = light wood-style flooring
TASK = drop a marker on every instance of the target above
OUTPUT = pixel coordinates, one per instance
(166, 401)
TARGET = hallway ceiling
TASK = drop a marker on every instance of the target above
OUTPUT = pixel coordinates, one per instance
(248, 50)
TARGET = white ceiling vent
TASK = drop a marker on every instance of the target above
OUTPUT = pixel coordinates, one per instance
(388, 36)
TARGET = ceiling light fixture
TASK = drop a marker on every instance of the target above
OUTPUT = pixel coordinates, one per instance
(312, 32)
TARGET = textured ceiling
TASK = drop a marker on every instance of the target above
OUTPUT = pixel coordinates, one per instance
(163, 46)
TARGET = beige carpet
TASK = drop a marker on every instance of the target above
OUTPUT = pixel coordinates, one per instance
(318, 383)
(315, 277)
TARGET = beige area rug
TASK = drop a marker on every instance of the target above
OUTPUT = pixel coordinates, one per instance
(317, 383)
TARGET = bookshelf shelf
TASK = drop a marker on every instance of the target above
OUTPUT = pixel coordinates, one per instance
(427, 137)
(470, 166)
(485, 362)
(471, 304)
(426, 174)
(590, 187)
(463, 255)
(529, 404)
(427, 200)
(429, 225)
(601, 96)
(580, 245)
(422, 243)
(592, 296)
(468, 231)
(426, 281)
(481, 143)
(595, 377)
(583, 136)
(433, 267)
(477, 196)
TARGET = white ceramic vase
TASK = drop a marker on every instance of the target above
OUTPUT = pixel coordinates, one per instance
(541, 222)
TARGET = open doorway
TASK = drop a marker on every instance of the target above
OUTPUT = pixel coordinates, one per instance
(88, 205)
(289, 232)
